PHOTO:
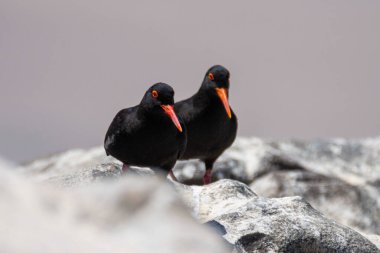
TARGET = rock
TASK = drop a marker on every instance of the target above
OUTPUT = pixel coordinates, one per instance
(340, 178)
(375, 239)
(78, 167)
(126, 215)
(191, 172)
(337, 177)
(346, 203)
(353, 161)
(75, 163)
(258, 224)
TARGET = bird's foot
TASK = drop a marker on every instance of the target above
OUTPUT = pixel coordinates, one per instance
(207, 177)
(172, 176)
(124, 169)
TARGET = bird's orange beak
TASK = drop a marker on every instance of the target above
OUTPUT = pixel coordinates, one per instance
(222, 93)
(169, 110)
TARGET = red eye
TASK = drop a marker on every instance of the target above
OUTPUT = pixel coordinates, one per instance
(154, 93)
(211, 76)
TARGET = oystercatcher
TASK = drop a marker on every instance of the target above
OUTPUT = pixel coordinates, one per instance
(149, 134)
(211, 124)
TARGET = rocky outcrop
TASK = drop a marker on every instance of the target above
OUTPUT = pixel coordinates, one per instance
(305, 191)
(353, 205)
(130, 214)
(375, 239)
(257, 224)
(338, 177)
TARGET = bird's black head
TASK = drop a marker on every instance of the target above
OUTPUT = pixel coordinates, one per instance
(159, 98)
(217, 77)
(216, 83)
(158, 94)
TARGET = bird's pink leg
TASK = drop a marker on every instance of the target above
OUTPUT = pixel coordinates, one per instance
(125, 168)
(172, 176)
(207, 177)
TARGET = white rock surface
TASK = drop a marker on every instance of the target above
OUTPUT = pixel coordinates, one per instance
(340, 178)
(126, 215)
(375, 239)
(257, 224)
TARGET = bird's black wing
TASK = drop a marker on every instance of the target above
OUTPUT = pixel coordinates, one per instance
(185, 109)
(120, 123)
(182, 148)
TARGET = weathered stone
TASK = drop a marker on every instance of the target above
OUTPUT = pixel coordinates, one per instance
(340, 178)
(348, 204)
(257, 224)
(132, 214)
(375, 239)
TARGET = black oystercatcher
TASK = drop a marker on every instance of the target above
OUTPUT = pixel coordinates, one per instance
(211, 124)
(149, 134)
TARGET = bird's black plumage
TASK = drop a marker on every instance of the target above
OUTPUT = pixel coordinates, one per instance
(211, 124)
(146, 134)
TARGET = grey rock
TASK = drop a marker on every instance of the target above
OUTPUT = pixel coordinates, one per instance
(78, 163)
(354, 161)
(348, 204)
(340, 178)
(191, 172)
(375, 239)
(75, 168)
(132, 214)
(257, 224)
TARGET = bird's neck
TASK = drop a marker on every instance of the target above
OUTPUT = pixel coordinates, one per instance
(142, 111)
(204, 96)
(149, 112)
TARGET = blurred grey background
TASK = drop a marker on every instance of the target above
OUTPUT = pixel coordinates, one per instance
(299, 69)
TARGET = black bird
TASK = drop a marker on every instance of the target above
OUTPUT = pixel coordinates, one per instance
(149, 134)
(211, 124)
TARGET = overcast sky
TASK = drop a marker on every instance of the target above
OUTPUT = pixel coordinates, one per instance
(299, 69)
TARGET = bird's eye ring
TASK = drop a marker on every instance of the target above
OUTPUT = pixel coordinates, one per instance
(154, 93)
(211, 76)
